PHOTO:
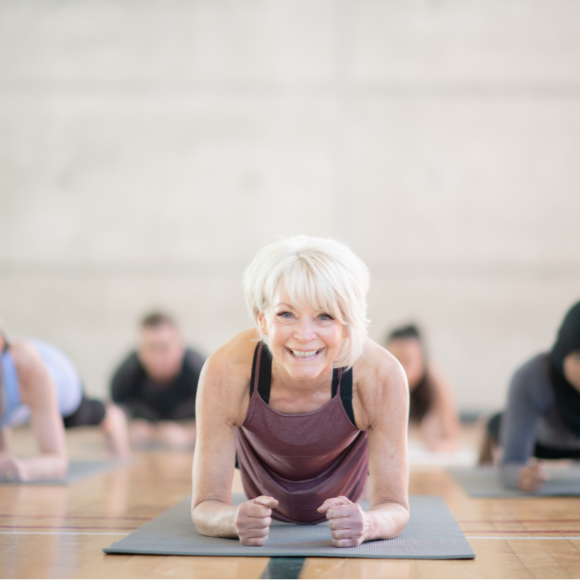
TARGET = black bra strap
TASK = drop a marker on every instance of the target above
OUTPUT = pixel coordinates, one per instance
(335, 381)
(346, 393)
(265, 377)
(253, 377)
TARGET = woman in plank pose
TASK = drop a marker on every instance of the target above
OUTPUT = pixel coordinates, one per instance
(542, 419)
(307, 401)
(432, 403)
(39, 382)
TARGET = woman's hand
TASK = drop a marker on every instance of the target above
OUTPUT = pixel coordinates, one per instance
(347, 521)
(253, 519)
(11, 468)
(532, 477)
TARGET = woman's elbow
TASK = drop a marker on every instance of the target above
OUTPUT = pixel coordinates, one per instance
(201, 524)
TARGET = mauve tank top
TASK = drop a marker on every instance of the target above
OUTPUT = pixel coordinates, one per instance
(300, 459)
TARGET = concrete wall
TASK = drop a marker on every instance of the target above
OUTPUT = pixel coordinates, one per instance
(149, 148)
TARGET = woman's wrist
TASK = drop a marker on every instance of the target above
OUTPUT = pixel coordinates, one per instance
(369, 526)
(384, 523)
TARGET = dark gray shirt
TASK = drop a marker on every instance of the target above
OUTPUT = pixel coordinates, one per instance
(531, 417)
(134, 390)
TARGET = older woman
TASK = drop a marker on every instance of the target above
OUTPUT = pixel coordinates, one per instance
(38, 382)
(309, 403)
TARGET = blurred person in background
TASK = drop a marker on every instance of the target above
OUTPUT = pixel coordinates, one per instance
(432, 402)
(542, 418)
(157, 385)
(39, 383)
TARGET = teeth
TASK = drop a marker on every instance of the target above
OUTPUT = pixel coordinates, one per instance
(302, 354)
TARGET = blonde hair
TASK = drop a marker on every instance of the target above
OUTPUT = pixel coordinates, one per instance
(316, 273)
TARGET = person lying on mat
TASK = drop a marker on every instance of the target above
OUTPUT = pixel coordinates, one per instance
(157, 384)
(40, 383)
(542, 419)
(309, 403)
(432, 403)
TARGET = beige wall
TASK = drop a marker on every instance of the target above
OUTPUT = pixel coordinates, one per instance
(149, 148)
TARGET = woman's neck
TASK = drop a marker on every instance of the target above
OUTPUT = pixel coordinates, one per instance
(282, 380)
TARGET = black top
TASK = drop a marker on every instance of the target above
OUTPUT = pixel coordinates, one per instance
(342, 376)
(567, 396)
(145, 399)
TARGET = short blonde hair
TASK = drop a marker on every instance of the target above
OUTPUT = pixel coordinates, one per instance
(316, 273)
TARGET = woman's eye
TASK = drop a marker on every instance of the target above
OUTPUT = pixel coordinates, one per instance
(285, 314)
(325, 317)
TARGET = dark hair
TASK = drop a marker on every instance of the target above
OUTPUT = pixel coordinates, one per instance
(421, 397)
(156, 319)
(407, 331)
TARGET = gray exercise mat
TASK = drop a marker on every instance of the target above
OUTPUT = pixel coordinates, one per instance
(485, 482)
(77, 471)
(432, 534)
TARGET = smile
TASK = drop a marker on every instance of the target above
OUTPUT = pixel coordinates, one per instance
(304, 353)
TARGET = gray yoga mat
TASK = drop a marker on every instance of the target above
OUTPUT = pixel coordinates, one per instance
(432, 534)
(77, 471)
(485, 482)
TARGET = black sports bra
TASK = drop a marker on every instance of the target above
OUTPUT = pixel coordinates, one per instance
(340, 377)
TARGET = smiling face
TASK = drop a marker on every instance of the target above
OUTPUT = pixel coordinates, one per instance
(305, 341)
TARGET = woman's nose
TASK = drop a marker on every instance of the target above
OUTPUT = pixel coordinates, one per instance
(305, 331)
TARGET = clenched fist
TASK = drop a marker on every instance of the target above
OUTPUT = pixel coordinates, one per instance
(347, 521)
(253, 519)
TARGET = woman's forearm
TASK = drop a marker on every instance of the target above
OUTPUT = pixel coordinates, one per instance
(215, 518)
(45, 466)
(386, 521)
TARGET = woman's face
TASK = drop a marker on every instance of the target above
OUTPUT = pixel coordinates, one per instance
(409, 353)
(572, 369)
(305, 341)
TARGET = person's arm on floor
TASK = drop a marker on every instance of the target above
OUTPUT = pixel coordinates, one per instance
(221, 405)
(527, 400)
(384, 408)
(38, 391)
(441, 426)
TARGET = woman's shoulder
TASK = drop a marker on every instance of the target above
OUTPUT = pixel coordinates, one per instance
(381, 392)
(25, 356)
(535, 369)
(232, 362)
(532, 380)
(377, 370)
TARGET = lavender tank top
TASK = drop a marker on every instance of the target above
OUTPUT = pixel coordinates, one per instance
(300, 459)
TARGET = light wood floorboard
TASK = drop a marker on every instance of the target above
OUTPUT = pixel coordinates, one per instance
(59, 532)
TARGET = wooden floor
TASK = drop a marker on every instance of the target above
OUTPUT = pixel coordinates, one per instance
(48, 532)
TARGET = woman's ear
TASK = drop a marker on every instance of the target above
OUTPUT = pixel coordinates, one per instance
(262, 326)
